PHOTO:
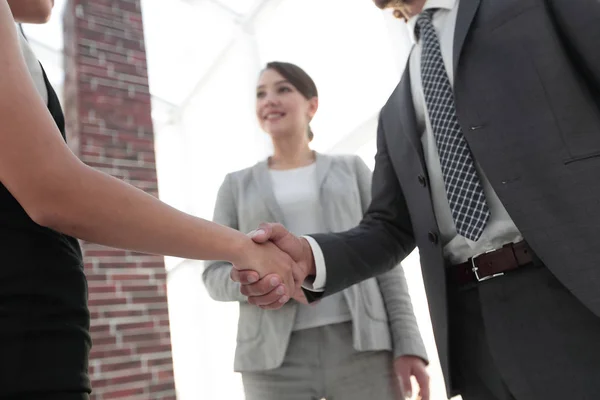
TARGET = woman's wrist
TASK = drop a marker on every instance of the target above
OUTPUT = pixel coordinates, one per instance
(236, 250)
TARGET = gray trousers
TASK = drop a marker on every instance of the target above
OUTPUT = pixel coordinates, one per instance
(321, 363)
(524, 336)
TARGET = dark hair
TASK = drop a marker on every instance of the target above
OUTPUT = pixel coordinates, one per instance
(299, 79)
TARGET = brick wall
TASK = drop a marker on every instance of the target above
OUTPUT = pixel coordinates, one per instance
(109, 126)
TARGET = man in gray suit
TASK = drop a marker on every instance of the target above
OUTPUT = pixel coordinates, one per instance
(488, 160)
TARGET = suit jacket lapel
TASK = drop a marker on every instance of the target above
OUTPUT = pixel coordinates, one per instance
(265, 188)
(400, 111)
(400, 119)
(466, 13)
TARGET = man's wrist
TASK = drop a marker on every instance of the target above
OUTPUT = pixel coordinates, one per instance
(310, 260)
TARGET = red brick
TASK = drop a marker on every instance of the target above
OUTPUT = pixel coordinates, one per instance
(93, 277)
(139, 288)
(160, 348)
(135, 325)
(123, 379)
(159, 312)
(99, 328)
(158, 299)
(123, 314)
(94, 315)
(109, 340)
(162, 387)
(130, 277)
(164, 322)
(93, 301)
(138, 338)
(109, 126)
(100, 352)
(158, 362)
(118, 265)
(96, 287)
(122, 394)
(119, 366)
(163, 375)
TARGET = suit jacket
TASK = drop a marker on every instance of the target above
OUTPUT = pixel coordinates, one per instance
(527, 93)
(381, 309)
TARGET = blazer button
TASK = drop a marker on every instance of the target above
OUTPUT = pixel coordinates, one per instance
(422, 180)
(433, 237)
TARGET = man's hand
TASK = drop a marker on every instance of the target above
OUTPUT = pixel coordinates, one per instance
(249, 277)
(260, 290)
(297, 248)
(272, 271)
(407, 366)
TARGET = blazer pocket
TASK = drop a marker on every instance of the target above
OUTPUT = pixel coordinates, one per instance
(583, 157)
(373, 300)
(249, 322)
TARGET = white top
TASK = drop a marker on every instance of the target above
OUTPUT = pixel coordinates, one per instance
(35, 69)
(500, 228)
(297, 193)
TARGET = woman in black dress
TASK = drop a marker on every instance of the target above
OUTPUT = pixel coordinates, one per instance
(47, 199)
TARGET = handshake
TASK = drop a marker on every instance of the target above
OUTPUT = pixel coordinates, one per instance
(273, 266)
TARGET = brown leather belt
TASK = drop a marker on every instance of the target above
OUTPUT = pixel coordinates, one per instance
(492, 264)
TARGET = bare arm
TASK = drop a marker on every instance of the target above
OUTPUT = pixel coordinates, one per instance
(216, 274)
(60, 192)
(31, 11)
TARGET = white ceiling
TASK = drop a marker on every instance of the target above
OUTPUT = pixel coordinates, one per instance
(172, 30)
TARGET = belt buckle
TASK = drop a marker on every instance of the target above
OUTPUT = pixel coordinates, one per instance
(475, 268)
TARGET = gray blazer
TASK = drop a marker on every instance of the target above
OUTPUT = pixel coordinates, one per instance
(381, 308)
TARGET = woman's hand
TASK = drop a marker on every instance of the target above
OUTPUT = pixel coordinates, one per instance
(300, 297)
(406, 367)
(272, 268)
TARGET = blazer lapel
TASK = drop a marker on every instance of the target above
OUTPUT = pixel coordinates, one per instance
(466, 13)
(265, 188)
(323, 165)
(399, 119)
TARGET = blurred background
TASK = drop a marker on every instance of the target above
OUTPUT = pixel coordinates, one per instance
(189, 69)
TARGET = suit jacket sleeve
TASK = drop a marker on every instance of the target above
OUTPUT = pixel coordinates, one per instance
(578, 27)
(216, 273)
(406, 336)
(383, 238)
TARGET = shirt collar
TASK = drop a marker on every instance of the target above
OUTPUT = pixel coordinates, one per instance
(412, 22)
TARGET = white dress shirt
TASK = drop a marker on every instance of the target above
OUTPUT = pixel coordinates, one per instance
(297, 194)
(500, 228)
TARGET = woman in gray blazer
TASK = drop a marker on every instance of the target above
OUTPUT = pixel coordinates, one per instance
(348, 346)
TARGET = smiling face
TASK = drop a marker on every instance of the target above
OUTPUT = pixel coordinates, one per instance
(281, 109)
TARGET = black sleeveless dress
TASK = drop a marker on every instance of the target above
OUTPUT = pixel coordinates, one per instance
(44, 319)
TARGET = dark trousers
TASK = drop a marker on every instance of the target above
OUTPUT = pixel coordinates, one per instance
(475, 373)
(523, 336)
